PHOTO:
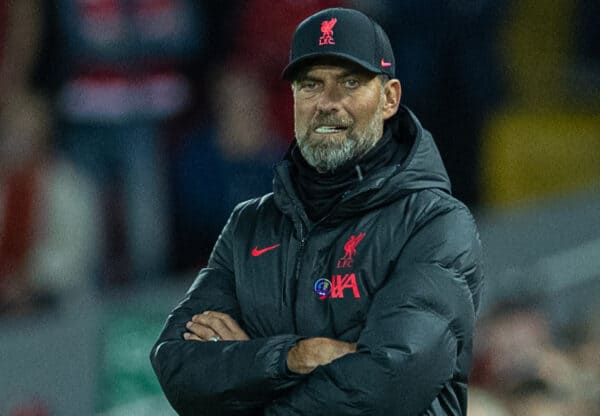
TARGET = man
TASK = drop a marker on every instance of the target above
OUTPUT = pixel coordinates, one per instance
(353, 287)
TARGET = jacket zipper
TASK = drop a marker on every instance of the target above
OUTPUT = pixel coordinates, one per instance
(298, 267)
(300, 252)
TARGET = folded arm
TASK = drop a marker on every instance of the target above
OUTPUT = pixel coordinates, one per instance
(225, 377)
(234, 376)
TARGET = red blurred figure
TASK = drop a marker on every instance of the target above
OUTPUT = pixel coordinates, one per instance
(36, 408)
(263, 32)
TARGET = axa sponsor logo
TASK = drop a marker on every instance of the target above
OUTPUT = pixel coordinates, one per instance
(346, 261)
(338, 286)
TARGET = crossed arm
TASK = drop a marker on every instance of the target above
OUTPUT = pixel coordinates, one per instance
(302, 358)
(401, 362)
(404, 359)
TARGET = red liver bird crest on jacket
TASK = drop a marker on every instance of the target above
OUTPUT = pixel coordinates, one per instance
(350, 249)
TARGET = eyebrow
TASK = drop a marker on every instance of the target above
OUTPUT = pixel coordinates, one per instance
(346, 73)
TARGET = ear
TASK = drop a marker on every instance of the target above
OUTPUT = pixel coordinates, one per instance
(392, 91)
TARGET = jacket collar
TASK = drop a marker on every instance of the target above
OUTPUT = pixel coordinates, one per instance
(421, 167)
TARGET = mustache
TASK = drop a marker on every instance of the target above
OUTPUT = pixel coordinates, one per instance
(329, 119)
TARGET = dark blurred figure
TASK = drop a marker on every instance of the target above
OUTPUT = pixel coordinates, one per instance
(227, 160)
(49, 234)
(20, 23)
(451, 73)
(585, 66)
(587, 30)
(245, 126)
(120, 70)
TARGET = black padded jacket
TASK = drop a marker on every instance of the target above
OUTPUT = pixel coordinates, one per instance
(394, 267)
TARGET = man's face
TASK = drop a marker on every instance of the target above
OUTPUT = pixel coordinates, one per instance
(339, 110)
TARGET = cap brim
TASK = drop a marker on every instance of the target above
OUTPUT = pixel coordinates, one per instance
(293, 67)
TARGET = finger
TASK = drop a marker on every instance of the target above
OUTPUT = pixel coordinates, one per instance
(231, 323)
(192, 337)
(201, 331)
(223, 324)
(225, 318)
(215, 320)
(217, 325)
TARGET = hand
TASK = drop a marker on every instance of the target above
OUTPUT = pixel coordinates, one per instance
(211, 324)
(310, 353)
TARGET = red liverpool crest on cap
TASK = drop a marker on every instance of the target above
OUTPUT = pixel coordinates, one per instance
(327, 32)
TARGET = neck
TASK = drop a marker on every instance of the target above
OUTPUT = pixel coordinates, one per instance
(320, 191)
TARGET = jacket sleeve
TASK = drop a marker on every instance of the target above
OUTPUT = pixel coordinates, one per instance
(419, 322)
(218, 378)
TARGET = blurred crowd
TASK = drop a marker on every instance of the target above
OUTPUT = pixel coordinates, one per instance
(527, 364)
(169, 112)
(129, 129)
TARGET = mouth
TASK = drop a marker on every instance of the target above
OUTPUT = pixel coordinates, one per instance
(327, 129)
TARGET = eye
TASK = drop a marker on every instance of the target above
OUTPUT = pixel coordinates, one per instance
(351, 83)
(308, 85)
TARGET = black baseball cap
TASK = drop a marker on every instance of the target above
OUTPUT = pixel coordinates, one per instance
(343, 33)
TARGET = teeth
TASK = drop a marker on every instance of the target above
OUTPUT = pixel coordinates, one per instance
(327, 129)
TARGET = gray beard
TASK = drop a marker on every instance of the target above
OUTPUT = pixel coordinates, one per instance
(328, 155)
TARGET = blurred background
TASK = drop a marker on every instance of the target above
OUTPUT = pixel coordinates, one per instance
(130, 128)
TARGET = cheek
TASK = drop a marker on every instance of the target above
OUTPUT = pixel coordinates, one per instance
(303, 112)
(363, 104)
(363, 115)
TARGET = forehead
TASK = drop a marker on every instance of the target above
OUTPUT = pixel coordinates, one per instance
(335, 66)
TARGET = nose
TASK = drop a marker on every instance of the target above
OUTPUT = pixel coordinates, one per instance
(329, 99)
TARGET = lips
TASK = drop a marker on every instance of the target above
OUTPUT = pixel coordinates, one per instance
(330, 129)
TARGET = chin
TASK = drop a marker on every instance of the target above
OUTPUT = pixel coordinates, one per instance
(333, 138)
